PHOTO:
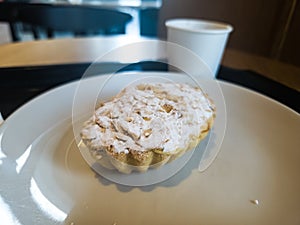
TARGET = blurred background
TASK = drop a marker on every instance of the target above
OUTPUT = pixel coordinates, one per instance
(269, 28)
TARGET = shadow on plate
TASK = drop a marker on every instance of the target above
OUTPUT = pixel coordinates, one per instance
(174, 180)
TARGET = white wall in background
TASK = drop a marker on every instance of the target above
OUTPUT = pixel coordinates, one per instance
(4, 33)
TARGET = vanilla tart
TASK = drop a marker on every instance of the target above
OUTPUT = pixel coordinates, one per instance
(147, 125)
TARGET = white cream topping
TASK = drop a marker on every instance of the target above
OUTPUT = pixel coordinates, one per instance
(149, 116)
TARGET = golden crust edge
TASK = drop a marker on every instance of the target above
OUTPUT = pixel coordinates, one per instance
(141, 162)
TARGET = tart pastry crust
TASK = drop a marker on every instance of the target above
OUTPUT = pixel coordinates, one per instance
(148, 125)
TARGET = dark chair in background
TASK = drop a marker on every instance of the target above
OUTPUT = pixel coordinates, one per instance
(149, 22)
(9, 14)
(79, 20)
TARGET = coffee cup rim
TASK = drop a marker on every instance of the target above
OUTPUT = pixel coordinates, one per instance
(199, 26)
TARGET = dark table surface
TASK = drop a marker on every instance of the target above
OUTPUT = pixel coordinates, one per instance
(20, 84)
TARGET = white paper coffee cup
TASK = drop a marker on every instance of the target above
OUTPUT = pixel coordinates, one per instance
(207, 39)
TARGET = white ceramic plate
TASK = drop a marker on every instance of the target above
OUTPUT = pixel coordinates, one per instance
(254, 179)
(86, 98)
